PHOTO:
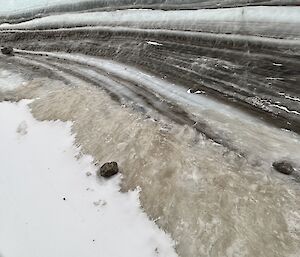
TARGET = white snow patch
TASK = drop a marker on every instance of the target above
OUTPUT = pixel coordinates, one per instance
(290, 97)
(154, 43)
(199, 92)
(277, 64)
(49, 207)
(272, 78)
(9, 80)
(196, 92)
(285, 109)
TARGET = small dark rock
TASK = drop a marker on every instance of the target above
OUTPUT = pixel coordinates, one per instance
(64, 199)
(108, 169)
(284, 167)
(8, 50)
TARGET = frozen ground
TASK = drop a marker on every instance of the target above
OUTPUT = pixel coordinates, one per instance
(50, 207)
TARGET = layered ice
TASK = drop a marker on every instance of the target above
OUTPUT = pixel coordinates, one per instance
(260, 21)
(37, 7)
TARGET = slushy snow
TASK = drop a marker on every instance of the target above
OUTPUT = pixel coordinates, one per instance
(51, 208)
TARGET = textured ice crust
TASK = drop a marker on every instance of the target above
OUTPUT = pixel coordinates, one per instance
(260, 21)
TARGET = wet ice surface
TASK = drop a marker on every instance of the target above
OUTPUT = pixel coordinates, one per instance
(50, 207)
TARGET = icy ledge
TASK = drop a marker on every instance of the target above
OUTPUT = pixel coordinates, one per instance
(279, 22)
(49, 207)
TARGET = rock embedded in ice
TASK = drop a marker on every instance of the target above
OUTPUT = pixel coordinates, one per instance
(108, 169)
(284, 167)
(7, 50)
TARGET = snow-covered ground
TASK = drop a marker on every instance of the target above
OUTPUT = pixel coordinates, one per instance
(50, 207)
